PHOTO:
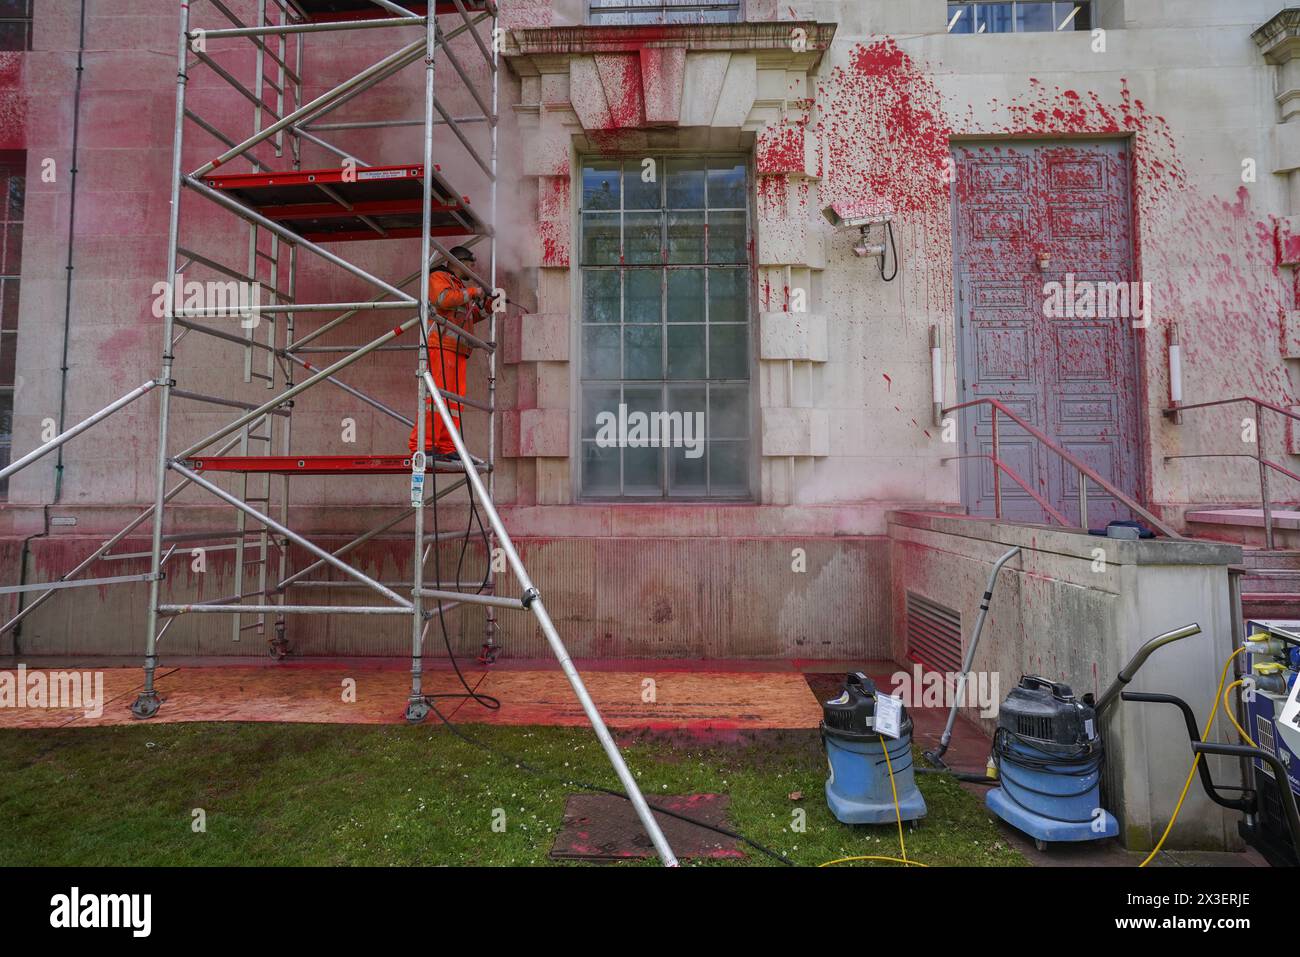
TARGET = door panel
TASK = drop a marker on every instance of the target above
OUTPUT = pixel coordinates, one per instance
(1074, 377)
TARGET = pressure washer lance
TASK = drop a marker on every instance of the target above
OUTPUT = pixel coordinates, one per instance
(935, 757)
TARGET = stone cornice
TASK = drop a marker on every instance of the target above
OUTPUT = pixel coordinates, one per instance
(533, 51)
(1279, 39)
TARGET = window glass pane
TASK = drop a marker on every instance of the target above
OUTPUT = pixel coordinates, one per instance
(642, 463)
(727, 237)
(993, 18)
(600, 352)
(727, 185)
(595, 401)
(599, 295)
(600, 186)
(646, 399)
(17, 192)
(643, 352)
(600, 469)
(13, 264)
(637, 194)
(728, 412)
(688, 475)
(961, 18)
(685, 184)
(1072, 16)
(8, 355)
(9, 303)
(14, 35)
(686, 237)
(728, 468)
(728, 352)
(642, 238)
(687, 465)
(643, 471)
(644, 295)
(728, 295)
(599, 238)
(686, 352)
(1034, 17)
(685, 295)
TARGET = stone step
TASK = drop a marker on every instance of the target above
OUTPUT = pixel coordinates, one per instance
(1276, 605)
(1245, 526)
(1263, 558)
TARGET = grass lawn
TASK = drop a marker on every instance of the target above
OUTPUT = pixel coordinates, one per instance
(294, 794)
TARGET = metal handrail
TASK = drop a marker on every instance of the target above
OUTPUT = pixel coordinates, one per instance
(1174, 413)
(1085, 472)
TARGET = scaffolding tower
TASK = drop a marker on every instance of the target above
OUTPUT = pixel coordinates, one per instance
(290, 211)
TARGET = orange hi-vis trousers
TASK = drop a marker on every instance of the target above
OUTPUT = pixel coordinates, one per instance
(443, 357)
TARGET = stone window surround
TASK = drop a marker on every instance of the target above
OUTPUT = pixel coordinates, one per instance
(715, 86)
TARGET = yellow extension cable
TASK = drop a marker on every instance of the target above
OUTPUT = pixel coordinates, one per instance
(1218, 694)
(1227, 709)
(898, 812)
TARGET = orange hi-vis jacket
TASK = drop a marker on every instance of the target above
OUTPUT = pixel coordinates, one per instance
(455, 308)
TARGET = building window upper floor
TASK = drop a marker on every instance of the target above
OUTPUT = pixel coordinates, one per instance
(15, 25)
(1020, 16)
(627, 12)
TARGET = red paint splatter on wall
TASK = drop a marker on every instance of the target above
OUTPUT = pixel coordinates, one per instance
(13, 102)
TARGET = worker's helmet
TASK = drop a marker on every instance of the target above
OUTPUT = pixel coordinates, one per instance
(463, 253)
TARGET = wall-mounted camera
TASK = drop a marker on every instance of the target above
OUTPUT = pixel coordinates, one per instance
(867, 218)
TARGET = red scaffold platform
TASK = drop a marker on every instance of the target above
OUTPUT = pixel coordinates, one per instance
(341, 205)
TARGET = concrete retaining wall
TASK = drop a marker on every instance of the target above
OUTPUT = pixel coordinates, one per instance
(1065, 611)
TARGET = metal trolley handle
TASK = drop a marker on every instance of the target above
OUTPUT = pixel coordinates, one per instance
(1249, 802)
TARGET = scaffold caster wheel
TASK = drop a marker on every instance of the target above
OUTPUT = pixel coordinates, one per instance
(278, 648)
(417, 709)
(488, 654)
(146, 705)
(1040, 844)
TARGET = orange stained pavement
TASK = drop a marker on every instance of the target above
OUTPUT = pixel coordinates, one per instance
(685, 700)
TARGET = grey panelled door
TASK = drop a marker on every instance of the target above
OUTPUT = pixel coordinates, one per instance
(1026, 215)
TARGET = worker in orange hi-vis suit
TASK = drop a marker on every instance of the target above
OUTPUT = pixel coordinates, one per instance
(461, 303)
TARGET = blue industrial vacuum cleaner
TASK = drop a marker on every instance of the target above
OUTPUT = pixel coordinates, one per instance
(859, 790)
(1048, 753)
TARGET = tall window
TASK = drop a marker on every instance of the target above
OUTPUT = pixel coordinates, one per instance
(1020, 16)
(13, 181)
(665, 274)
(15, 25)
(610, 12)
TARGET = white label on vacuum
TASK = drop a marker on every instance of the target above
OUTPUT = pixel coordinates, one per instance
(1291, 710)
(889, 715)
(1087, 729)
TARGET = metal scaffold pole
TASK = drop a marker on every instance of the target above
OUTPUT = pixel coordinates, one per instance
(146, 704)
(417, 707)
(490, 621)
